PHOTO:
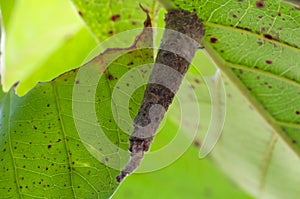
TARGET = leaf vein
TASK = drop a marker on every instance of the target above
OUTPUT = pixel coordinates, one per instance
(64, 134)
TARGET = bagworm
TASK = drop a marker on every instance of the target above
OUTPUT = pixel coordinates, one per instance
(182, 36)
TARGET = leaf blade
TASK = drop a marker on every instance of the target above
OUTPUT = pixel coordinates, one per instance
(253, 42)
(48, 152)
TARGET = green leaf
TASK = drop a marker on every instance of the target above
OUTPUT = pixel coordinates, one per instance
(256, 157)
(42, 151)
(107, 18)
(43, 49)
(256, 44)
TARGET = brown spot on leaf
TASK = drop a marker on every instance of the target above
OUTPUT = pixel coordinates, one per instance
(197, 143)
(268, 36)
(269, 62)
(260, 4)
(197, 81)
(130, 63)
(110, 77)
(213, 40)
(115, 17)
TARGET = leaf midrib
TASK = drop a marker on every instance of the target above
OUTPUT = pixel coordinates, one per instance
(271, 75)
(10, 146)
(55, 93)
(253, 34)
(269, 119)
(264, 73)
(274, 124)
(266, 162)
